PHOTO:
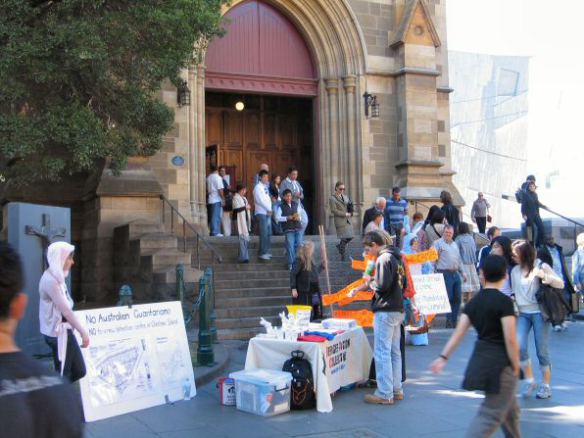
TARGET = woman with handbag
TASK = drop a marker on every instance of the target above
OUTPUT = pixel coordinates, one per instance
(341, 208)
(526, 279)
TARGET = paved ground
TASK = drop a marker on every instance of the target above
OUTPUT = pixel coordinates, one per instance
(434, 405)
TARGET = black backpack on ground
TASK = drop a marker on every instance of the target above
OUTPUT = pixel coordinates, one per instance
(302, 393)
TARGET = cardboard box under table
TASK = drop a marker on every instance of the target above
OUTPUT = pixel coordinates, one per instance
(342, 361)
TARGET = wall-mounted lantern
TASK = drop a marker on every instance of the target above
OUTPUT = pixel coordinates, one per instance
(183, 94)
(239, 105)
(371, 105)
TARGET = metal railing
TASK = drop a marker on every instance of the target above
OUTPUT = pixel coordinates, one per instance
(180, 225)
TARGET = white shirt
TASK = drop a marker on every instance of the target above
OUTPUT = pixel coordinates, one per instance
(262, 200)
(214, 184)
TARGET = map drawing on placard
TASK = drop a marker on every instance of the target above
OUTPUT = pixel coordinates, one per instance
(120, 371)
(171, 360)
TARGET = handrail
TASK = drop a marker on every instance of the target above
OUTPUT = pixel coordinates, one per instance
(186, 223)
(512, 199)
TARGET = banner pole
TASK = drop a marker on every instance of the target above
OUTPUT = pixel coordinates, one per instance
(326, 262)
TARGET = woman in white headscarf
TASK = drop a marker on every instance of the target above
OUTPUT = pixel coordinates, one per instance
(56, 316)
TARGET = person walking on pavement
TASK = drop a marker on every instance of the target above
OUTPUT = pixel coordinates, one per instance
(34, 401)
(480, 212)
(215, 200)
(342, 210)
(530, 210)
(494, 364)
(378, 207)
(241, 211)
(578, 265)
(449, 264)
(396, 210)
(388, 308)
(468, 254)
(288, 214)
(526, 279)
(263, 213)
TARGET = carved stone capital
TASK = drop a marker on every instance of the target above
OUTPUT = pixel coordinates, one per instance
(350, 82)
(332, 86)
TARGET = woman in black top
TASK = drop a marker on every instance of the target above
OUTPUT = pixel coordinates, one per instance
(304, 280)
(494, 364)
(530, 210)
(451, 213)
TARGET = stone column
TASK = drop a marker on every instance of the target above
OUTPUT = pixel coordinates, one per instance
(193, 158)
(334, 152)
(201, 144)
(350, 160)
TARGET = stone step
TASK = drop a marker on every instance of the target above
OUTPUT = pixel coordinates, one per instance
(247, 312)
(167, 274)
(253, 322)
(155, 241)
(253, 292)
(242, 334)
(257, 274)
(281, 299)
(137, 229)
(257, 283)
(167, 257)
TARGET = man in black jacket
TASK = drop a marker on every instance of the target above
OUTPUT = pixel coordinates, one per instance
(387, 305)
(530, 211)
(378, 207)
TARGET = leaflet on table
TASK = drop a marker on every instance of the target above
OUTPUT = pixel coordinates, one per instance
(138, 357)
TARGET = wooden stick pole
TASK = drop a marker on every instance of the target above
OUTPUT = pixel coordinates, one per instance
(326, 262)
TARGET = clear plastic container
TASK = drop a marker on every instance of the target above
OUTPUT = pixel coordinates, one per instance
(262, 392)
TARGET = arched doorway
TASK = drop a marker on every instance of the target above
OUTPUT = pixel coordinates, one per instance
(327, 33)
(264, 66)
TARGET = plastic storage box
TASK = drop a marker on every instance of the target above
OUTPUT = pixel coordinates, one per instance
(262, 392)
(339, 324)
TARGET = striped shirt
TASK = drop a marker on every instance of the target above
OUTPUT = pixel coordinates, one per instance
(395, 211)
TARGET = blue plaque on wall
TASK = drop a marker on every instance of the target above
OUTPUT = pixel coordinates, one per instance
(177, 160)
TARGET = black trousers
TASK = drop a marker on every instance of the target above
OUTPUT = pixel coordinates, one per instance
(538, 230)
(481, 224)
(74, 364)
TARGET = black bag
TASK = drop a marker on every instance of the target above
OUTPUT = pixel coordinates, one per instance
(552, 304)
(519, 195)
(302, 396)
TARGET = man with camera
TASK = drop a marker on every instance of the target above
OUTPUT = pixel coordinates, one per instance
(342, 210)
(396, 210)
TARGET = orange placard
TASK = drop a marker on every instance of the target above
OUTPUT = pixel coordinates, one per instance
(422, 257)
(364, 318)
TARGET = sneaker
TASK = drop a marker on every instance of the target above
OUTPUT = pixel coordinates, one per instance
(528, 389)
(264, 257)
(374, 400)
(544, 392)
(557, 328)
(398, 395)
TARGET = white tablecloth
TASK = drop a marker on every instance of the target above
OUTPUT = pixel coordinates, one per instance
(342, 361)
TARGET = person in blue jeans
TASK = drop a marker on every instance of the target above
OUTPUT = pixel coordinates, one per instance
(526, 279)
(449, 264)
(215, 200)
(387, 305)
(288, 214)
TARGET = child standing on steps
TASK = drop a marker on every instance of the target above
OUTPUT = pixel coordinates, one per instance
(241, 213)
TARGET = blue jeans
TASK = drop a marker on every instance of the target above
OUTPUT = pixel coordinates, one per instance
(265, 227)
(293, 241)
(541, 333)
(216, 212)
(387, 353)
(74, 368)
(243, 248)
(453, 288)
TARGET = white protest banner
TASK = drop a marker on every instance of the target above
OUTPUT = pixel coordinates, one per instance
(137, 358)
(431, 296)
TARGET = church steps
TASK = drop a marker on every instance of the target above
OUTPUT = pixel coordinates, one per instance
(282, 298)
(254, 283)
(251, 322)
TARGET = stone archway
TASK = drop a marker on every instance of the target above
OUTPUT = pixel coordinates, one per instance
(332, 33)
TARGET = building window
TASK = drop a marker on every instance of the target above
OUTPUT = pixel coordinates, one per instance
(442, 150)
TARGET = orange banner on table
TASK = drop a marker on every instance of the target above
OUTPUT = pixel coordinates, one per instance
(341, 295)
(364, 318)
(360, 296)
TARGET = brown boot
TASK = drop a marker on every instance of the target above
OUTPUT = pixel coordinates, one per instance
(374, 400)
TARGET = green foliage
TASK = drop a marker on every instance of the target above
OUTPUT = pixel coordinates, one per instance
(79, 80)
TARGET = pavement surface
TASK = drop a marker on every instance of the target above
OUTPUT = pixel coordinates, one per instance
(435, 406)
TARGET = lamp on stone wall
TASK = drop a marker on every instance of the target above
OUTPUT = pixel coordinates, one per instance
(183, 94)
(371, 105)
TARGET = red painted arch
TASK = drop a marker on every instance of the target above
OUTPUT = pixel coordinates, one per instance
(262, 52)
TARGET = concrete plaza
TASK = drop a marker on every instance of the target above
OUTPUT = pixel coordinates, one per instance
(434, 406)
